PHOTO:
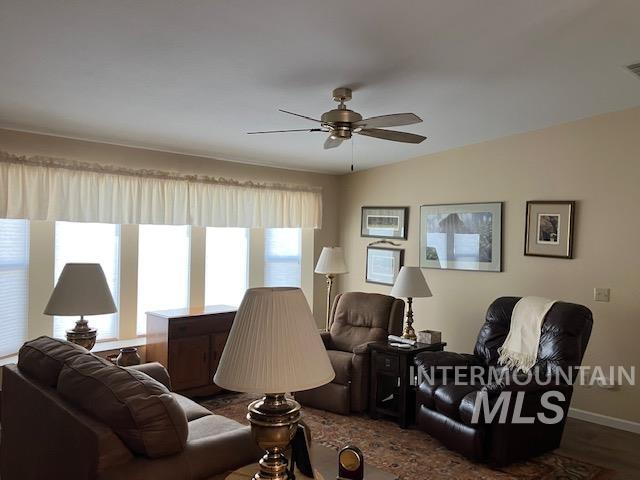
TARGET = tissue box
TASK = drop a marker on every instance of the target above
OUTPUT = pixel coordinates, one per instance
(429, 336)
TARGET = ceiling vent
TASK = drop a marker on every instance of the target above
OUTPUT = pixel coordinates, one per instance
(635, 69)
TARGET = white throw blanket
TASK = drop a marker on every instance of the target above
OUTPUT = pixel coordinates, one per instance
(520, 349)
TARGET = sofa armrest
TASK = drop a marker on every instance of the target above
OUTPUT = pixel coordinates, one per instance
(156, 371)
(363, 348)
(205, 457)
(494, 389)
(446, 359)
(222, 452)
(326, 339)
(445, 365)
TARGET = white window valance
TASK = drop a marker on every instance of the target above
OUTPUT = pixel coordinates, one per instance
(39, 188)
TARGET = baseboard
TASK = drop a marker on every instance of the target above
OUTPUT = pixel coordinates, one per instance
(605, 420)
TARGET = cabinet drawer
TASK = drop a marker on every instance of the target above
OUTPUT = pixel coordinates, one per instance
(387, 363)
(205, 325)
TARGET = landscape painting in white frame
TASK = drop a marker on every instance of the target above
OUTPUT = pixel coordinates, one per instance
(465, 236)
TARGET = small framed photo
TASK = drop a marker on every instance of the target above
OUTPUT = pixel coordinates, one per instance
(549, 228)
(384, 222)
(383, 264)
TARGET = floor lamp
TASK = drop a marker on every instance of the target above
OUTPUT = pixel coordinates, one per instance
(330, 264)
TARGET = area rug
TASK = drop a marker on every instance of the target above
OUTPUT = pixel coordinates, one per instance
(411, 454)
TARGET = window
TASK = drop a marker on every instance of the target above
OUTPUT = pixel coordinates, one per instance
(163, 269)
(14, 288)
(282, 257)
(226, 265)
(90, 243)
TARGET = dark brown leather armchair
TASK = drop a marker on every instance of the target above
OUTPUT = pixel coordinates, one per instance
(445, 409)
(358, 319)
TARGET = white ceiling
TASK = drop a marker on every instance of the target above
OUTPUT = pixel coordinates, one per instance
(193, 76)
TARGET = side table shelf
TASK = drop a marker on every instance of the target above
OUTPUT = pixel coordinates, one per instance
(392, 391)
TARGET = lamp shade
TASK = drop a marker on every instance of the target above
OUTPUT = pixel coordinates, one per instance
(81, 290)
(411, 284)
(331, 261)
(274, 345)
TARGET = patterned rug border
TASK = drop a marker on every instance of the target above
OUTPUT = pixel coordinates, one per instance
(411, 454)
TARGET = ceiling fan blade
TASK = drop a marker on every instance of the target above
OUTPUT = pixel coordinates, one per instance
(392, 135)
(301, 116)
(331, 142)
(285, 131)
(393, 120)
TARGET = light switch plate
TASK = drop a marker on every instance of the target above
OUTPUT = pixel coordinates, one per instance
(601, 294)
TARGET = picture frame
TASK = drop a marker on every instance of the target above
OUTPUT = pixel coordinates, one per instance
(384, 222)
(549, 226)
(461, 236)
(383, 264)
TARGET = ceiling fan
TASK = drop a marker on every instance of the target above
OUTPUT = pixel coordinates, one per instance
(340, 123)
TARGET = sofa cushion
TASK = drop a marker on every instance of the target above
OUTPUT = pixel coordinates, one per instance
(211, 425)
(139, 409)
(191, 409)
(42, 359)
(342, 363)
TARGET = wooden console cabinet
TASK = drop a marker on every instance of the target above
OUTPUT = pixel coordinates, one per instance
(189, 343)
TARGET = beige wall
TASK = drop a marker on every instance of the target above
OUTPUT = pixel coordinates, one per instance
(33, 144)
(595, 162)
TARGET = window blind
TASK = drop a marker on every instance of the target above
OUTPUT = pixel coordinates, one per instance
(283, 257)
(14, 288)
(226, 265)
(90, 243)
(163, 269)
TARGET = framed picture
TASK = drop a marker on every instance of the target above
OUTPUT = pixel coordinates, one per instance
(549, 228)
(464, 236)
(384, 222)
(383, 264)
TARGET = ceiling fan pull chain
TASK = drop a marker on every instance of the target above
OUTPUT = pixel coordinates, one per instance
(353, 143)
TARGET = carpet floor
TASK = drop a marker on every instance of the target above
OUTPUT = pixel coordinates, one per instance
(411, 454)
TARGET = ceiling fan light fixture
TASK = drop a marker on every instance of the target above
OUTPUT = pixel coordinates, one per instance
(341, 123)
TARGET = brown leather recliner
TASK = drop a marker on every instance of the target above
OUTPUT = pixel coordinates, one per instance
(358, 319)
(445, 408)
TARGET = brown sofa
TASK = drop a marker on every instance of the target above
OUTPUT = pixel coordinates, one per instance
(69, 414)
(358, 319)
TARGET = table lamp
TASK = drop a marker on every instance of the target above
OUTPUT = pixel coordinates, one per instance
(410, 284)
(81, 290)
(273, 348)
(331, 263)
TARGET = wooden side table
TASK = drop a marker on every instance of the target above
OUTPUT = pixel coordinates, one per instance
(392, 382)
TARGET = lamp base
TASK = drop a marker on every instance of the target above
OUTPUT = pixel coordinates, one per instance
(274, 421)
(82, 334)
(409, 333)
(330, 278)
